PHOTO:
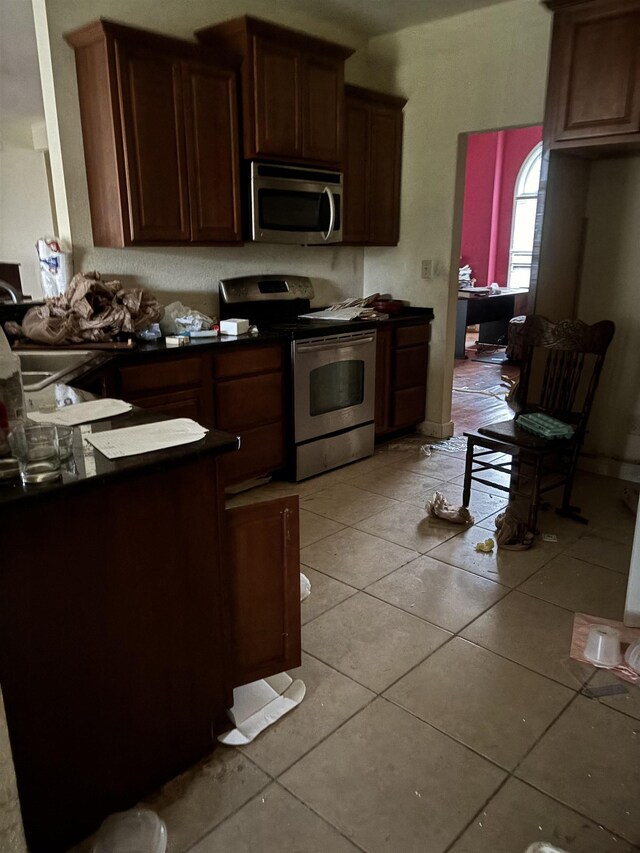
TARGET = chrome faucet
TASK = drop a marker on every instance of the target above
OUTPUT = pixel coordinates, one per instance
(14, 293)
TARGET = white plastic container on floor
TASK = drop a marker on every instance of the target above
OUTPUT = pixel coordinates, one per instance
(543, 847)
(135, 831)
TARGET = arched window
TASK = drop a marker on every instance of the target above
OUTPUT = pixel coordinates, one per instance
(524, 219)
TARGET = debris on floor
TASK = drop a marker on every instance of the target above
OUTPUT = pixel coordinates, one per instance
(485, 547)
(425, 445)
(130, 832)
(607, 644)
(511, 532)
(258, 705)
(305, 587)
(439, 507)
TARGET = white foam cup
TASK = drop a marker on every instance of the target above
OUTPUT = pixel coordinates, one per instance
(603, 646)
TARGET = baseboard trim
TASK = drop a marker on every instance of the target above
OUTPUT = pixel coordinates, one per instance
(610, 468)
(435, 429)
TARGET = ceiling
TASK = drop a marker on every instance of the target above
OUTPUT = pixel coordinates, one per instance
(20, 94)
(375, 17)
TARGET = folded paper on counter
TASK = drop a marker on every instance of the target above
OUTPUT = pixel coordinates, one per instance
(258, 705)
(82, 413)
(145, 438)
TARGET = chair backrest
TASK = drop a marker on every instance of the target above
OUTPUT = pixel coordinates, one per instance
(562, 366)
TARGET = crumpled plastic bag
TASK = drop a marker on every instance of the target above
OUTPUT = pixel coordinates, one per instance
(180, 318)
(439, 507)
(91, 310)
(512, 533)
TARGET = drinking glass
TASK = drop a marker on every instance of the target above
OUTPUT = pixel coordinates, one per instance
(37, 450)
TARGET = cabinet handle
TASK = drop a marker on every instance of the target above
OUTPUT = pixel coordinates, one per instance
(332, 214)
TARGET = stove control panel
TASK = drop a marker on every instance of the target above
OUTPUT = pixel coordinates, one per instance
(265, 288)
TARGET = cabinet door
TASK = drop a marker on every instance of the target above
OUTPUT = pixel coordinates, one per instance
(323, 110)
(386, 162)
(277, 88)
(355, 228)
(150, 89)
(594, 72)
(211, 123)
(263, 564)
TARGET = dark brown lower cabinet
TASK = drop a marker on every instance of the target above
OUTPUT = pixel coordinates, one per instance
(263, 563)
(238, 389)
(401, 377)
(124, 628)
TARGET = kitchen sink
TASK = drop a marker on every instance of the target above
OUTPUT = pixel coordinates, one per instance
(41, 368)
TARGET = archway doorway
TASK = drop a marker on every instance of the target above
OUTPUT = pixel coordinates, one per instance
(501, 178)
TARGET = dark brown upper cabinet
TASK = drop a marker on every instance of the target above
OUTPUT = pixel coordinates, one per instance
(593, 95)
(292, 90)
(372, 167)
(160, 131)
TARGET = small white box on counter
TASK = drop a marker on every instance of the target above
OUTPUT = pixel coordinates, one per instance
(234, 326)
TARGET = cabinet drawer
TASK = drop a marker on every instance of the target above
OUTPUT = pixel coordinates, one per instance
(409, 406)
(248, 402)
(181, 404)
(241, 361)
(410, 367)
(407, 336)
(159, 375)
(261, 452)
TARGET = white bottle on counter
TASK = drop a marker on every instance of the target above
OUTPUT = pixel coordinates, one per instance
(11, 395)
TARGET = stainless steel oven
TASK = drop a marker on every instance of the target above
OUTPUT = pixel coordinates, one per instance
(334, 400)
(331, 376)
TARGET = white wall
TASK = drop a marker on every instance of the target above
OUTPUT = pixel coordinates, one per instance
(188, 273)
(25, 207)
(477, 71)
(609, 291)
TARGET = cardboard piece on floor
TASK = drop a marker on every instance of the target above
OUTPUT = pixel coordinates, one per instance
(582, 622)
(258, 705)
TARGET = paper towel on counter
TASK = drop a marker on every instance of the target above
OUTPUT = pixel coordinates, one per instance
(81, 413)
(146, 438)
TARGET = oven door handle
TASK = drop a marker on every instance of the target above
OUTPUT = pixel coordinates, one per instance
(332, 214)
(335, 345)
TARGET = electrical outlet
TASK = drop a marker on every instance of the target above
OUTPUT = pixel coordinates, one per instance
(427, 269)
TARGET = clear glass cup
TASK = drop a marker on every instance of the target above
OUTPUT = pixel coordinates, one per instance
(38, 453)
(65, 441)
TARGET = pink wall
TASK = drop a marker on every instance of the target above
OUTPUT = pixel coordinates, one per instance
(507, 148)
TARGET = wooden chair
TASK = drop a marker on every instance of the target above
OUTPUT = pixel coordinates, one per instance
(560, 373)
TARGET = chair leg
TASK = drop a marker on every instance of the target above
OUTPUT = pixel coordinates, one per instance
(567, 510)
(468, 466)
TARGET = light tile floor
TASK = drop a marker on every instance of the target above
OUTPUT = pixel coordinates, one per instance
(443, 712)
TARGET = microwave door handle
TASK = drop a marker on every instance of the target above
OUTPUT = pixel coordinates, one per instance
(332, 214)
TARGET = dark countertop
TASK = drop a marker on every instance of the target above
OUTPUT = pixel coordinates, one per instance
(408, 317)
(88, 465)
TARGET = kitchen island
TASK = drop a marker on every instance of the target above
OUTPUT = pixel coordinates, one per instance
(126, 618)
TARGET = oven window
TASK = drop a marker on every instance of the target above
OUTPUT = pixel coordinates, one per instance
(335, 386)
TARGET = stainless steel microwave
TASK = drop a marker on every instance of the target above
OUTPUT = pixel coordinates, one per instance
(295, 204)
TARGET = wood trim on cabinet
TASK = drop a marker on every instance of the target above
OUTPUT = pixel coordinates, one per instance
(229, 32)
